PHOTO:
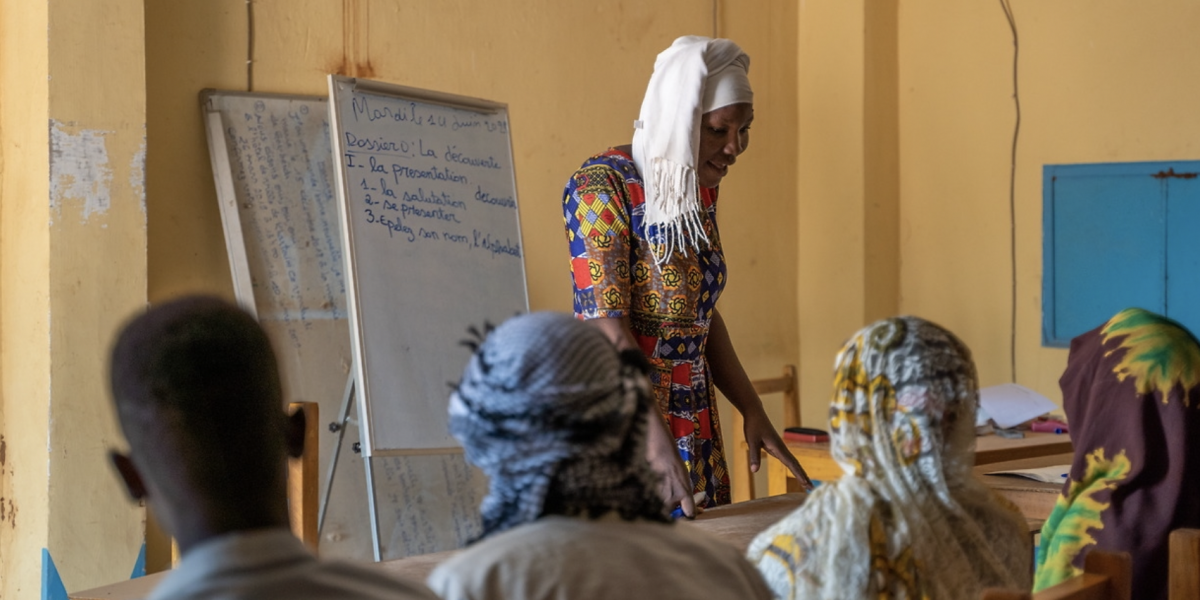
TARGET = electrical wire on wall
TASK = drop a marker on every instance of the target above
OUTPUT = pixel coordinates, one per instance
(1012, 186)
(249, 45)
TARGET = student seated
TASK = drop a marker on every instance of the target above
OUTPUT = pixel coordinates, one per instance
(908, 519)
(198, 396)
(1131, 392)
(556, 418)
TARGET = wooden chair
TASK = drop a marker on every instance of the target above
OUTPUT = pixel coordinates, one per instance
(1184, 580)
(787, 385)
(1106, 576)
(303, 478)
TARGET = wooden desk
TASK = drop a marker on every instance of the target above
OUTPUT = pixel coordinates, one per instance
(736, 524)
(819, 463)
(1034, 498)
(994, 449)
(134, 589)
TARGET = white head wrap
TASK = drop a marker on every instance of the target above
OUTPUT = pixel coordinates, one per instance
(694, 76)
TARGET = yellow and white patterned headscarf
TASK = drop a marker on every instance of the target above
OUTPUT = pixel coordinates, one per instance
(908, 520)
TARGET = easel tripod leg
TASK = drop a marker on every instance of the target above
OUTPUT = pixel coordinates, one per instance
(376, 546)
(347, 403)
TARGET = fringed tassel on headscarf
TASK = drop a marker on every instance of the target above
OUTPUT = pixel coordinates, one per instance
(673, 223)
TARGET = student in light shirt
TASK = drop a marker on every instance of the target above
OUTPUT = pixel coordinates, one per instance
(556, 418)
(198, 397)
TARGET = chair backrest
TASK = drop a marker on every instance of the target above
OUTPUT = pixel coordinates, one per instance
(788, 385)
(302, 478)
(302, 482)
(1184, 579)
(742, 484)
(1106, 576)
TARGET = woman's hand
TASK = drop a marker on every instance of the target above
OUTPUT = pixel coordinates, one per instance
(674, 482)
(761, 435)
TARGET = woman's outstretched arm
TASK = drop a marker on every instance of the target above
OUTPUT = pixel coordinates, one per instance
(731, 379)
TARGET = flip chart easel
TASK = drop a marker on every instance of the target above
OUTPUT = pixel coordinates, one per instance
(274, 172)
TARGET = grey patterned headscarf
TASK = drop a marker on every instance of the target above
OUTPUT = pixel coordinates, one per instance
(556, 418)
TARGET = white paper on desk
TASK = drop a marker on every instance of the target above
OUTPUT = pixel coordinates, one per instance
(982, 417)
(1011, 404)
(1053, 474)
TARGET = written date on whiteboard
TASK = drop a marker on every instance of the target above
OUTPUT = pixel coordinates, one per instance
(420, 191)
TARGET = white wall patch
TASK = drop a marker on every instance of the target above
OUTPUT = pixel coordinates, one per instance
(79, 169)
(137, 174)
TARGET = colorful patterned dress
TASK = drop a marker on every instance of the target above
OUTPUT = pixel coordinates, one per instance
(670, 306)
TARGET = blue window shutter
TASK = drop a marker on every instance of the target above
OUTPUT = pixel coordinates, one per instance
(1104, 245)
(1183, 250)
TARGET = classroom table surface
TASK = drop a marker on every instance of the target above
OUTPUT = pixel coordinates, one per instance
(736, 524)
(819, 464)
(1035, 499)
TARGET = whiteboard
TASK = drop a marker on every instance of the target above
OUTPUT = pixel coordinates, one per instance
(273, 166)
(428, 200)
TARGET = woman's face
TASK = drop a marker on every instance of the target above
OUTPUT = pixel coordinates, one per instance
(724, 134)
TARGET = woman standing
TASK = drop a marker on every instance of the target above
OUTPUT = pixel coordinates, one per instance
(648, 267)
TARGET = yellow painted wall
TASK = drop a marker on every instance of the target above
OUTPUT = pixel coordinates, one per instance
(759, 206)
(759, 197)
(24, 294)
(573, 73)
(189, 46)
(1099, 82)
(881, 160)
(97, 274)
(72, 266)
(838, 210)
